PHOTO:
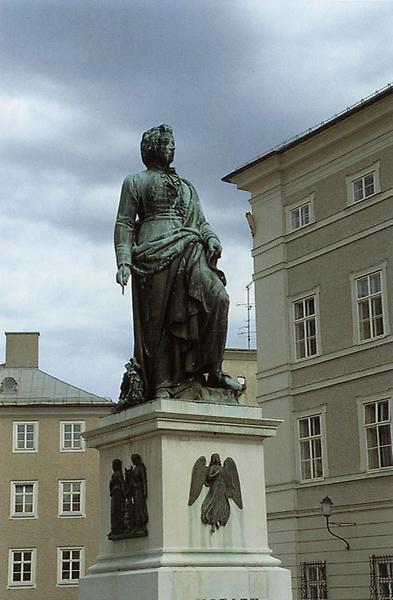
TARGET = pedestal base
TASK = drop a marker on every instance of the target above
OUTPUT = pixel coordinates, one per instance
(181, 558)
(237, 583)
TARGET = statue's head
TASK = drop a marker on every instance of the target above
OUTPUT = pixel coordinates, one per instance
(136, 459)
(158, 146)
(116, 464)
(215, 459)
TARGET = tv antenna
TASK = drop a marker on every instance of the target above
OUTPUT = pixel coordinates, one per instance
(249, 306)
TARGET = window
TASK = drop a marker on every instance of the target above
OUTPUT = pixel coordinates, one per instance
(363, 184)
(23, 499)
(21, 568)
(378, 424)
(300, 216)
(370, 306)
(310, 440)
(363, 187)
(381, 577)
(305, 325)
(313, 581)
(70, 436)
(70, 565)
(71, 498)
(25, 436)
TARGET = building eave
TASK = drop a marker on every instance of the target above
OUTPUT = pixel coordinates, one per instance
(312, 132)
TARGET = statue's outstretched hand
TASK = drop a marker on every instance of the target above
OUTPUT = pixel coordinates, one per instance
(123, 275)
(214, 249)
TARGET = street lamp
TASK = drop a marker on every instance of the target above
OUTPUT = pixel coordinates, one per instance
(327, 505)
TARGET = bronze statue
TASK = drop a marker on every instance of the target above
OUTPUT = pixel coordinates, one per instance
(223, 483)
(136, 493)
(116, 490)
(180, 306)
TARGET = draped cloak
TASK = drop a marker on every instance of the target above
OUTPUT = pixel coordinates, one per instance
(180, 306)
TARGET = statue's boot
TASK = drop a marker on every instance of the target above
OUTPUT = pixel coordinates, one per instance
(219, 379)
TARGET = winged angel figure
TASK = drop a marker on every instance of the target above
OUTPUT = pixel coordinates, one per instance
(223, 483)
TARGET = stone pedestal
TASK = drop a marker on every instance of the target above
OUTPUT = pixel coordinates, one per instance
(181, 559)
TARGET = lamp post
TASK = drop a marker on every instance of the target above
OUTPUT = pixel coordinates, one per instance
(327, 506)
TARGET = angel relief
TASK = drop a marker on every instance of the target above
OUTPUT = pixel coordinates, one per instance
(223, 483)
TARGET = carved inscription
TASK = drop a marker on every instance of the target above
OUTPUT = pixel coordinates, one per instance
(227, 599)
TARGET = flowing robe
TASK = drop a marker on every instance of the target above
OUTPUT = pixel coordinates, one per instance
(180, 305)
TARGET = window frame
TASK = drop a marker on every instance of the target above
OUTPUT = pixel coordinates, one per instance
(373, 168)
(69, 582)
(375, 560)
(72, 514)
(18, 584)
(17, 515)
(290, 208)
(315, 293)
(354, 277)
(15, 448)
(361, 402)
(62, 432)
(320, 412)
(376, 425)
(304, 581)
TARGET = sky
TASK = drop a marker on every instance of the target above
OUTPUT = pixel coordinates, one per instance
(82, 80)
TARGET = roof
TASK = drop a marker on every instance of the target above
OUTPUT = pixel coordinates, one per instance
(312, 131)
(34, 386)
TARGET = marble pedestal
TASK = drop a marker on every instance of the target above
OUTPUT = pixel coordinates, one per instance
(181, 559)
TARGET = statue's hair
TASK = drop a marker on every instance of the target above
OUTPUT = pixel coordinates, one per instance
(150, 141)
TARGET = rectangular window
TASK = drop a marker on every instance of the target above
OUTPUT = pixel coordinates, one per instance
(23, 499)
(300, 216)
(70, 565)
(378, 425)
(370, 306)
(71, 498)
(313, 581)
(70, 436)
(21, 569)
(363, 187)
(310, 440)
(25, 436)
(305, 324)
(381, 577)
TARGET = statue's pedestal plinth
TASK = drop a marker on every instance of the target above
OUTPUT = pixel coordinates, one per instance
(181, 559)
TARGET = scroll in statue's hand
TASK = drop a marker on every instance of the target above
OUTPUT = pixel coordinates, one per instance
(214, 249)
(123, 275)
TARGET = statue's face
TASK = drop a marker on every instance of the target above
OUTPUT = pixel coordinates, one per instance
(166, 149)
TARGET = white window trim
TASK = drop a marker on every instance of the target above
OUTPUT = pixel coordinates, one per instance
(355, 318)
(61, 442)
(361, 401)
(72, 515)
(68, 582)
(349, 179)
(313, 292)
(17, 450)
(291, 207)
(320, 411)
(19, 584)
(15, 515)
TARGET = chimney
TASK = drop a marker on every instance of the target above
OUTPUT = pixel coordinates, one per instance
(21, 349)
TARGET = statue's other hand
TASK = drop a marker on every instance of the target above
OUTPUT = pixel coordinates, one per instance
(123, 274)
(214, 248)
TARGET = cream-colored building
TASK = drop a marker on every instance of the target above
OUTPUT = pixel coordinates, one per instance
(322, 211)
(49, 496)
(241, 363)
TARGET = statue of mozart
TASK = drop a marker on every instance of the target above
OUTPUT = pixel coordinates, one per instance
(180, 305)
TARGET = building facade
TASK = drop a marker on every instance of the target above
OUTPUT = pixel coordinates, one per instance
(241, 363)
(322, 213)
(49, 495)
